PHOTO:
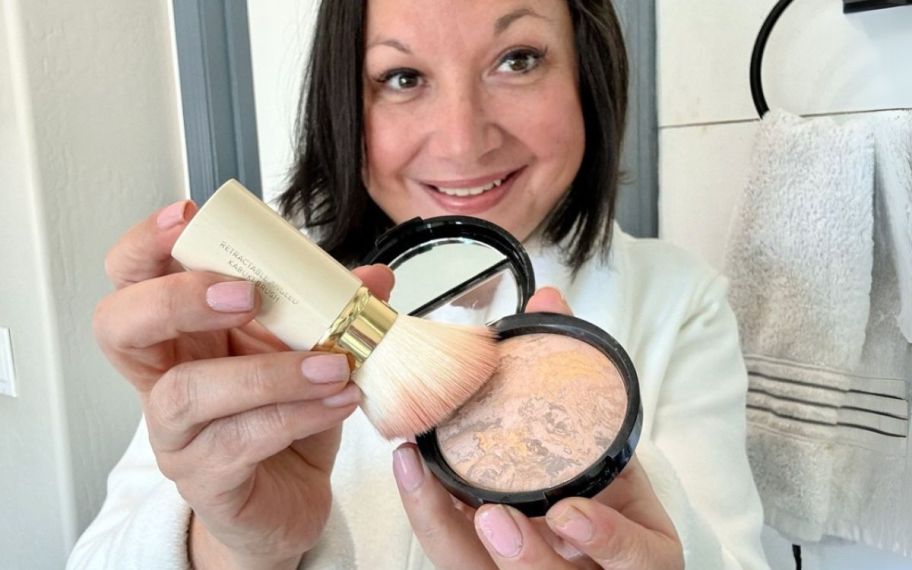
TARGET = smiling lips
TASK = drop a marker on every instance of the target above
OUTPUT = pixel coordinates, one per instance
(470, 191)
(473, 187)
(471, 197)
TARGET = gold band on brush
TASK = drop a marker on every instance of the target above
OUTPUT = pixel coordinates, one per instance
(359, 328)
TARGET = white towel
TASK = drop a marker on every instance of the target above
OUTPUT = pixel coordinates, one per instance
(871, 487)
(893, 140)
(800, 253)
(815, 290)
(799, 258)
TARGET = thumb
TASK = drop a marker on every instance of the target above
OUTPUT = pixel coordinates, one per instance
(378, 278)
(611, 539)
(548, 300)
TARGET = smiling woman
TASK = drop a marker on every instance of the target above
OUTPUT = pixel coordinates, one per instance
(473, 108)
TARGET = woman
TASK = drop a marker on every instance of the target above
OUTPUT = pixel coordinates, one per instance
(511, 111)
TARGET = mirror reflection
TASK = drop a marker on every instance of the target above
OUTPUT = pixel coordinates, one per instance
(454, 280)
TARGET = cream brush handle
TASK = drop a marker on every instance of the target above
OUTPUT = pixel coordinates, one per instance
(304, 291)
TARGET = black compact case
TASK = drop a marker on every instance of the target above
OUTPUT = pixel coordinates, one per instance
(442, 262)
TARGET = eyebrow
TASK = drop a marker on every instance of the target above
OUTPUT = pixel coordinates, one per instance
(395, 44)
(504, 21)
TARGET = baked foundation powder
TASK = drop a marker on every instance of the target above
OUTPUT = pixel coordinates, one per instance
(551, 410)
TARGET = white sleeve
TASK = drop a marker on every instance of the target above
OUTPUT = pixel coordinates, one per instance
(697, 458)
(143, 522)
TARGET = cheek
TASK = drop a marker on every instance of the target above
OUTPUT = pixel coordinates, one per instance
(387, 150)
(549, 123)
(560, 136)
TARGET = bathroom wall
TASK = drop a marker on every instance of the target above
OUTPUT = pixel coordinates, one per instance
(89, 143)
(818, 61)
(280, 35)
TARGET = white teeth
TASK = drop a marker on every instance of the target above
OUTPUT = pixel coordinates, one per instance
(461, 192)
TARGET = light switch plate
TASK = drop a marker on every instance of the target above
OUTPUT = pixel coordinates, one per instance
(7, 372)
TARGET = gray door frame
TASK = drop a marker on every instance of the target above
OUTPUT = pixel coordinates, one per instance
(638, 201)
(216, 79)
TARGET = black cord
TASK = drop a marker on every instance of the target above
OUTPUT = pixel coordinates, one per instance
(756, 66)
(796, 552)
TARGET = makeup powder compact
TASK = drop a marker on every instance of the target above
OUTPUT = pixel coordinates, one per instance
(560, 417)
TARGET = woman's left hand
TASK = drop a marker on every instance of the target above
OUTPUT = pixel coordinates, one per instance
(624, 527)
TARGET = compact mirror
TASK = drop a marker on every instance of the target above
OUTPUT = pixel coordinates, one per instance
(456, 269)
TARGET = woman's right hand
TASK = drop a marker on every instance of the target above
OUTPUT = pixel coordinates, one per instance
(247, 429)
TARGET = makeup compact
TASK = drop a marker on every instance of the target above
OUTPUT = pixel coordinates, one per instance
(560, 417)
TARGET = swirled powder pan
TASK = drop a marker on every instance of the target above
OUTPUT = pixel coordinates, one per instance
(553, 407)
(560, 417)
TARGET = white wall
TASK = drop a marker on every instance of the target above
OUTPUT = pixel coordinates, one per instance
(280, 36)
(89, 144)
(818, 61)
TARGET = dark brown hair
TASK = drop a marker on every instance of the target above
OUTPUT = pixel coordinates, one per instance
(326, 193)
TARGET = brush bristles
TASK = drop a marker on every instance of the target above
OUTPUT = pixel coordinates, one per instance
(421, 372)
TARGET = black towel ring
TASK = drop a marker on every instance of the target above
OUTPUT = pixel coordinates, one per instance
(756, 66)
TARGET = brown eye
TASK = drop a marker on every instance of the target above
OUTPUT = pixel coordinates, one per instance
(520, 61)
(401, 79)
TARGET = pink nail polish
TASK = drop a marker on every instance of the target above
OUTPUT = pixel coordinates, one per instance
(231, 296)
(407, 468)
(172, 215)
(501, 531)
(325, 368)
(349, 395)
(572, 523)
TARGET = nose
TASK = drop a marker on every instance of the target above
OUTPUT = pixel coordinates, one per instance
(463, 130)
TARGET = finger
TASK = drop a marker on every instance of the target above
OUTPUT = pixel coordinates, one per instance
(444, 532)
(160, 309)
(191, 301)
(632, 495)
(144, 252)
(548, 300)
(563, 548)
(512, 540)
(227, 449)
(611, 539)
(192, 394)
(378, 278)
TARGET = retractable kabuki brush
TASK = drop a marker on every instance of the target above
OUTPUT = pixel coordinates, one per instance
(413, 372)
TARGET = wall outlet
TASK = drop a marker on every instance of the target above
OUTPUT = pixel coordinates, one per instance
(7, 372)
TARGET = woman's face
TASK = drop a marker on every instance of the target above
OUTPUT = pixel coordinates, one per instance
(472, 108)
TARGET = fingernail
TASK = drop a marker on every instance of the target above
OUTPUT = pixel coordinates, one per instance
(559, 294)
(172, 215)
(349, 395)
(501, 531)
(325, 368)
(407, 468)
(571, 523)
(231, 296)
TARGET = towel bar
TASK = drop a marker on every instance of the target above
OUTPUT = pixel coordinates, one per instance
(756, 65)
